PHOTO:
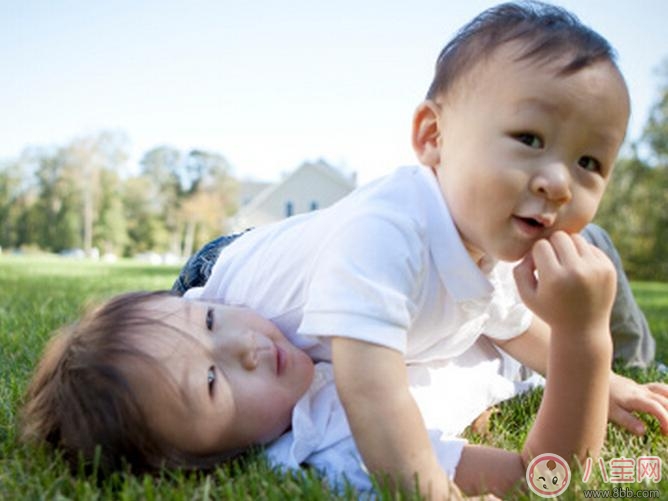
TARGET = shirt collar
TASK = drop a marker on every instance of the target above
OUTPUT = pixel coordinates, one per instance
(458, 272)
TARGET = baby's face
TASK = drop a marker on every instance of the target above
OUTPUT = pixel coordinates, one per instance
(237, 376)
(524, 152)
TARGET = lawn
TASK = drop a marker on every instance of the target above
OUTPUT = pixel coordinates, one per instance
(39, 294)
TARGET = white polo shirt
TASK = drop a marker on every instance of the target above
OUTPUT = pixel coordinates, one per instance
(384, 265)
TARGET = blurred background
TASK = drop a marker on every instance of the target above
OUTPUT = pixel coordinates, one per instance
(148, 127)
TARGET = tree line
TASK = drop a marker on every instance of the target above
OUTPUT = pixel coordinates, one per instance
(634, 209)
(75, 196)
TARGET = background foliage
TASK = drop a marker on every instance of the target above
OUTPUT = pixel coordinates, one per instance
(75, 196)
(635, 207)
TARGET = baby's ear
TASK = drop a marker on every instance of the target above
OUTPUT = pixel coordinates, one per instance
(427, 133)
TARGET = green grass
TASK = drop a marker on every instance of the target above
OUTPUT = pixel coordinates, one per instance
(39, 295)
(653, 297)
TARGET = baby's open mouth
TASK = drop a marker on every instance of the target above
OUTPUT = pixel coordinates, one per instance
(534, 223)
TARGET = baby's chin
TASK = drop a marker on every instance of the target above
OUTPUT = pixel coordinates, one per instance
(307, 367)
(485, 258)
(282, 425)
(517, 253)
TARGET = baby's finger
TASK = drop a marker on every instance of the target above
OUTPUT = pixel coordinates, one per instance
(564, 248)
(656, 406)
(583, 247)
(544, 257)
(658, 388)
(625, 419)
(660, 400)
(525, 278)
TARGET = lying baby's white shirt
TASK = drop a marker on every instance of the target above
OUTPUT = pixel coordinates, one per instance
(453, 393)
(450, 396)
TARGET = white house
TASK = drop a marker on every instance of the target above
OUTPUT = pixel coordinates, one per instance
(310, 187)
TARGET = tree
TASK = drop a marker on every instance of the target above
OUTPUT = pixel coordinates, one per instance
(655, 137)
(54, 217)
(88, 156)
(14, 196)
(194, 193)
(144, 221)
(162, 168)
(634, 209)
(209, 200)
(110, 234)
(655, 134)
(625, 212)
(75, 196)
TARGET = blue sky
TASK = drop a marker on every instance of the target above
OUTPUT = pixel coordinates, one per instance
(268, 84)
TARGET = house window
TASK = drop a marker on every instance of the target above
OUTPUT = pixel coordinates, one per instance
(289, 209)
(314, 205)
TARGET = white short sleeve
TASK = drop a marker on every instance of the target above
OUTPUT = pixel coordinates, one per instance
(365, 280)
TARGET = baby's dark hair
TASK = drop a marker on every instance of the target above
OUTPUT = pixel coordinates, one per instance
(81, 397)
(548, 32)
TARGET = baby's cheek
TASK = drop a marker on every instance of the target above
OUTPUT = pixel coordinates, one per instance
(583, 210)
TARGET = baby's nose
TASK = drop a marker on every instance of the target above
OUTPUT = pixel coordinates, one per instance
(249, 360)
(553, 183)
(253, 348)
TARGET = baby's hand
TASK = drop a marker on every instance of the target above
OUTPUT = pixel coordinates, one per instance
(627, 397)
(568, 283)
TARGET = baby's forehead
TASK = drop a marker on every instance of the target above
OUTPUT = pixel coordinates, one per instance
(508, 67)
(514, 53)
(165, 305)
(165, 328)
(170, 316)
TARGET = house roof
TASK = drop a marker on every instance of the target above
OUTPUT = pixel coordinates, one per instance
(320, 166)
(248, 190)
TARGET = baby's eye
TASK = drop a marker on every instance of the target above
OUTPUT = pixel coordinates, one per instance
(209, 318)
(211, 378)
(531, 140)
(590, 164)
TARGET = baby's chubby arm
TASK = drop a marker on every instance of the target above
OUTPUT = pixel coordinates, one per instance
(386, 423)
(570, 285)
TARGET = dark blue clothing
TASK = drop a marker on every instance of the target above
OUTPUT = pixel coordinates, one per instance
(197, 270)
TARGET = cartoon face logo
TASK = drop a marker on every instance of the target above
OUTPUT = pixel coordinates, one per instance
(548, 475)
